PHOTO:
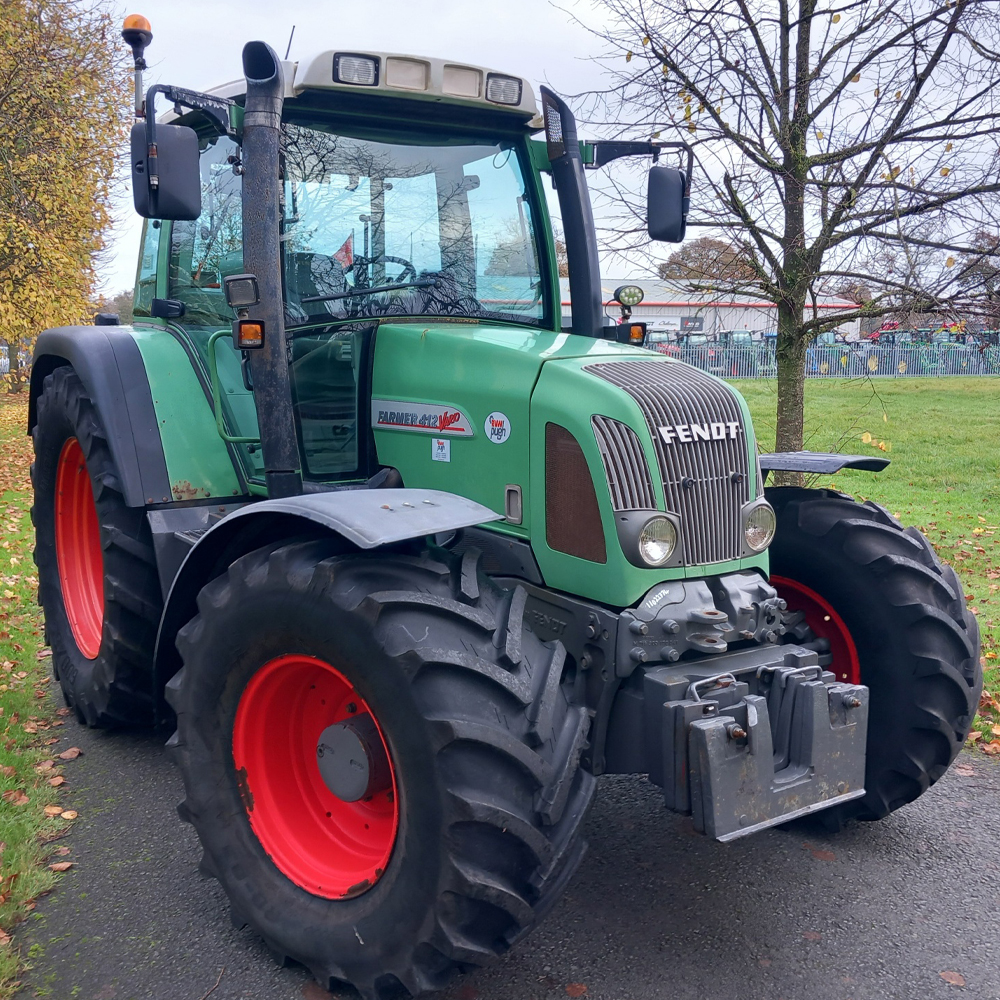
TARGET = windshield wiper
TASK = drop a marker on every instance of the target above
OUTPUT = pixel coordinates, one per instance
(427, 283)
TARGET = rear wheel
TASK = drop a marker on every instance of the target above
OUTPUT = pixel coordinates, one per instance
(896, 620)
(96, 569)
(380, 759)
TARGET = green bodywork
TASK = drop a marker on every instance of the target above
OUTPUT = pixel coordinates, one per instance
(531, 376)
(198, 462)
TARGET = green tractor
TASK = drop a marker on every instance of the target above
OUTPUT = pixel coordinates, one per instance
(409, 563)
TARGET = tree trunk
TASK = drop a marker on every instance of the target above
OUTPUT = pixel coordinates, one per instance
(791, 357)
(14, 375)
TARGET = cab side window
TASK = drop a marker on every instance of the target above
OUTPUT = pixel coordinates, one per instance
(145, 281)
(203, 252)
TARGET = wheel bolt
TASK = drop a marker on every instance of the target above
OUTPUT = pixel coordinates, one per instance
(735, 731)
(852, 701)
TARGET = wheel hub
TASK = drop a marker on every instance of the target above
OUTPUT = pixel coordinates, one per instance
(316, 777)
(352, 759)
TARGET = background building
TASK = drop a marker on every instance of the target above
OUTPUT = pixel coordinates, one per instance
(669, 305)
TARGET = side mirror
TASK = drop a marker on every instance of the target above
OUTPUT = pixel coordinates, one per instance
(178, 191)
(667, 203)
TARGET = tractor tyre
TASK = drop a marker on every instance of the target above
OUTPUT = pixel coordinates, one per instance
(467, 826)
(97, 579)
(896, 620)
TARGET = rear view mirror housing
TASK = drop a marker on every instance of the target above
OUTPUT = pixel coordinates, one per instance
(177, 194)
(667, 203)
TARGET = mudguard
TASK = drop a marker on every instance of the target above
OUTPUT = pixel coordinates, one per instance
(109, 364)
(364, 518)
(821, 462)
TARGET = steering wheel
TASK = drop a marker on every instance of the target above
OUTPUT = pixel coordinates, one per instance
(409, 272)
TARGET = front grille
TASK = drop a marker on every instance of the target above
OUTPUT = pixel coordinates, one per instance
(706, 482)
(625, 465)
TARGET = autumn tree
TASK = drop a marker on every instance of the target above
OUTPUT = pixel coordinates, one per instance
(64, 103)
(826, 132)
(119, 305)
(710, 262)
(981, 276)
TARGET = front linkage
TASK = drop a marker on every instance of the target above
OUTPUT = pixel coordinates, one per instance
(743, 738)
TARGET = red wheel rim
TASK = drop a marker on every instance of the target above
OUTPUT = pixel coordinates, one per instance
(825, 623)
(78, 549)
(327, 846)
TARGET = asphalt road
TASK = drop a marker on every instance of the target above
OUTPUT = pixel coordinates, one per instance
(657, 911)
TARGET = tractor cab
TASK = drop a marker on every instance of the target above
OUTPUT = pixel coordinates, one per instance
(390, 207)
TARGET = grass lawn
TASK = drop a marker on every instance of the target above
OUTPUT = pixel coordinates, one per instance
(31, 813)
(943, 436)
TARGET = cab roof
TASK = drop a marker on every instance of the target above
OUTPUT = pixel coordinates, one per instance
(399, 75)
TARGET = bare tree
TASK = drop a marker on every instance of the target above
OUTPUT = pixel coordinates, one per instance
(844, 141)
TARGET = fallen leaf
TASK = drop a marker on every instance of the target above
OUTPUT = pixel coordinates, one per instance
(57, 781)
(965, 769)
(61, 866)
(995, 730)
(975, 735)
(64, 850)
(71, 754)
(812, 935)
(993, 748)
(575, 990)
(69, 814)
(4, 938)
(62, 711)
(954, 978)
(7, 771)
(16, 797)
(53, 810)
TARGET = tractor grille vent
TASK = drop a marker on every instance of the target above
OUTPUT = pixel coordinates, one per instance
(706, 482)
(572, 516)
(625, 465)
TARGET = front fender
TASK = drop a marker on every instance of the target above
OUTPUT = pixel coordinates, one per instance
(363, 518)
(111, 369)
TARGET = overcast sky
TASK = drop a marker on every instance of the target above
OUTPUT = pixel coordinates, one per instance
(197, 44)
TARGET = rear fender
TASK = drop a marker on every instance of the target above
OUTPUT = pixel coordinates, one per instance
(109, 365)
(364, 519)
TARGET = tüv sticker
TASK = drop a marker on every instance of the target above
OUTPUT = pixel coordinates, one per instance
(497, 427)
(441, 449)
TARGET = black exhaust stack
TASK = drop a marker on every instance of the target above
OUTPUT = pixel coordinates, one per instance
(272, 391)
(577, 215)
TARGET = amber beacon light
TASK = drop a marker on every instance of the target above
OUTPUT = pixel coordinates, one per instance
(138, 34)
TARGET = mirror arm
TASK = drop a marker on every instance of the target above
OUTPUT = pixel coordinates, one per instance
(604, 151)
(218, 109)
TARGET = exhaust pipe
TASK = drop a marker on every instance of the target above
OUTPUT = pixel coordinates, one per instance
(272, 390)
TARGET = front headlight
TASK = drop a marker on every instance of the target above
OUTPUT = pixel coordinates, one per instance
(759, 527)
(657, 541)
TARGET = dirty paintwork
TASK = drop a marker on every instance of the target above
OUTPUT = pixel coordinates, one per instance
(198, 462)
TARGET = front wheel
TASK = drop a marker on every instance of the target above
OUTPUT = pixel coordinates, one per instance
(896, 620)
(380, 759)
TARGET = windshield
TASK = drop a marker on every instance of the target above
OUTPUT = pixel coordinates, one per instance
(394, 229)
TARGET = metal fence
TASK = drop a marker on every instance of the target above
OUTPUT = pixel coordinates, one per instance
(843, 360)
